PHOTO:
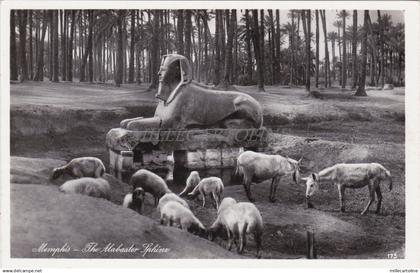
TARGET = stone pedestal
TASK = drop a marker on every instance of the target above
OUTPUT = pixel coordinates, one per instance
(177, 151)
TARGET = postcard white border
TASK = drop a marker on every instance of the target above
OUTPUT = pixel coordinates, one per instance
(412, 104)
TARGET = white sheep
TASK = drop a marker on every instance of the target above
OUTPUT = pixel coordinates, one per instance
(237, 220)
(135, 200)
(175, 213)
(151, 183)
(81, 167)
(209, 185)
(171, 197)
(192, 181)
(258, 167)
(95, 187)
(351, 176)
(226, 202)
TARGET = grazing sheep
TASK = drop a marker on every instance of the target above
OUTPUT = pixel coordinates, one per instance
(257, 167)
(238, 220)
(226, 202)
(210, 185)
(171, 197)
(151, 183)
(351, 176)
(135, 200)
(174, 212)
(192, 182)
(81, 167)
(95, 187)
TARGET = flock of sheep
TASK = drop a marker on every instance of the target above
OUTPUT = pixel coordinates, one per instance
(235, 220)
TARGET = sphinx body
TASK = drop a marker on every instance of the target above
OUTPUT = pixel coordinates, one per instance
(184, 104)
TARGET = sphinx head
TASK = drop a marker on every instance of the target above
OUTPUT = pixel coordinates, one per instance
(175, 71)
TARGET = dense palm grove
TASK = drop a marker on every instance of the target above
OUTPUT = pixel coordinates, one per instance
(226, 47)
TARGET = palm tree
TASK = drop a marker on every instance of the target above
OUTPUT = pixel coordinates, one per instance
(13, 64)
(23, 17)
(343, 15)
(354, 51)
(327, 57)
(188, 33)
(39, 76)
(381, 42)
(180, 32)
(226, 81)
(333, 37)
(396, 42)
(291, 30)
(362, 80)
(257, 49)
(338, 24)
(317, 48)
(248, 46)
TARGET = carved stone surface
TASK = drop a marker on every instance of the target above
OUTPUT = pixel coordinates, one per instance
(119, 139)
(189, 118)
(184, 104)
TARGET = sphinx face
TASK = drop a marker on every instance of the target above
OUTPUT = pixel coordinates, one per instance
(169, 78)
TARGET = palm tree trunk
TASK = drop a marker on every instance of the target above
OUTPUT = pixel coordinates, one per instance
(40, 55)
(55, 47)
(248, 48)
(362, 80)
(257, 50)
(306, 24)
(90, 48)
(272, 46)
(188, 32)
(180, 32)
(63, 21)
(317, 49)
(132, 46)
(120, 50)
(278, 56)
(262, 36)
(344, 63)
(229, 48)
(13, 64)
(155, 51)
(70, 46)
(381, 41)
(23, 18)
(327, 57)
(217, 39)
(354, 51)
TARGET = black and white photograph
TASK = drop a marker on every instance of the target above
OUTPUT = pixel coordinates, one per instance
(200, 133)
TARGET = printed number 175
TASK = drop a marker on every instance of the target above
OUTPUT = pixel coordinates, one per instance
(392, 255)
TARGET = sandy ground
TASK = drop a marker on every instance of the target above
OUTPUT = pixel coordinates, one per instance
(52, 123)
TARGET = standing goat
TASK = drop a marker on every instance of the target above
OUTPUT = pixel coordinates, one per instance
(151, 183)
(209, 185)
(238, 220)
(351, 176)
(257, 167)
(81, 167)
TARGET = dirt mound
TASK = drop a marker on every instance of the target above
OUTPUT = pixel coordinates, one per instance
(76, 220)
(25, 170)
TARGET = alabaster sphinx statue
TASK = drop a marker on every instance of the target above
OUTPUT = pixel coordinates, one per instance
(184, 104)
